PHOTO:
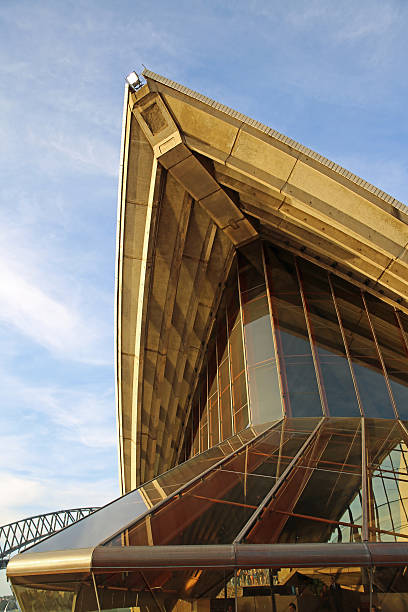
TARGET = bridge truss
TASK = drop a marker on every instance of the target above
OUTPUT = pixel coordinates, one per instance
(17, 536)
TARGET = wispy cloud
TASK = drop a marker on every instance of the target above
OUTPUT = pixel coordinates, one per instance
(48, 495)
(84, 417)
(83, 153)
(57, 326)
(39, 294)
(55, 446)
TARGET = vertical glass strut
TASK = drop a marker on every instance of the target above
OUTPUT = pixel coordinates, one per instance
(365, 536)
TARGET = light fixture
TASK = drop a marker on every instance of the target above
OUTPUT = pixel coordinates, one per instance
(133, 80)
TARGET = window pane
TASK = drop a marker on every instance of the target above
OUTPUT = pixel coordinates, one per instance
(213, 397)
(292, 336)
(393, 350)
(387, 470)
(367, 367)
(214, 509)
(298, 511)
(337, 379)
(264, 392)
(224, 384)
(238, 375)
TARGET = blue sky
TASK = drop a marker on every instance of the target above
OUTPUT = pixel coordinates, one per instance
(330, 74)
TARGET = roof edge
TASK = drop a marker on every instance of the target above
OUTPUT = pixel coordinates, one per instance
(324, 161)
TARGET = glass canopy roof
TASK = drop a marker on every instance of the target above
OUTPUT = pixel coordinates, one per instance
(304, 480)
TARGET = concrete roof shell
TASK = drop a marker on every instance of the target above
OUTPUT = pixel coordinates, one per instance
(199, 179)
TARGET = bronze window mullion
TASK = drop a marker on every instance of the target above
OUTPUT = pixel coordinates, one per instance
(315, 356)
(402, 330)
(218, 389)
(207, 407)
(346, 347)
(387, 382)
(249, 411)
(364, 483)
(229, 372)
(253, 518)
(283, 388)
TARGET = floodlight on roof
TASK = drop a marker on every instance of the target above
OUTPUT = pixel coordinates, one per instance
(133, 80)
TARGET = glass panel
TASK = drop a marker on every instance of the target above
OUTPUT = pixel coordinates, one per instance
(203, 413)
(367, 367)
(277, 589)
(212, 401)
(308, 589)
(393, 349)
(214, 509)
(220, 403)
(336, 375)
(299, 377)
(100, 525)
(238, 375)
(224, 382)
(264, 392)
(390, 589)
(312, 503)
(195, 426)
(35, 599)
(387, 461)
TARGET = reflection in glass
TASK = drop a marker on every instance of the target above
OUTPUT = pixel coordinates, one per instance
(315, 589)
(292, 336)
(215, 508)
(264, 392)
(391, 340)
(372, 386)
(387, 460)
(298, 512)
(33, 599)
(334, 366)
(100, 525)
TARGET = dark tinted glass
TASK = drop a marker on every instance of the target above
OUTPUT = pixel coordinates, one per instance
(387, 471)
(311, 503)
(390, 336)
(214, 509)
(264, 391)
(97, 527)
(327, 336)
(374, 394)
(302, 392)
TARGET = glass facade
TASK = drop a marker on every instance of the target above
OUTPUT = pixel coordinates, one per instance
(308, 589)
(303, 480)
(296, 438)
(292, 339)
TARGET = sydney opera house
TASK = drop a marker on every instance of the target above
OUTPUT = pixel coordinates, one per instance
(262, 380)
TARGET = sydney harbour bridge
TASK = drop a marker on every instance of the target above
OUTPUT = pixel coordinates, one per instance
(17, 536)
